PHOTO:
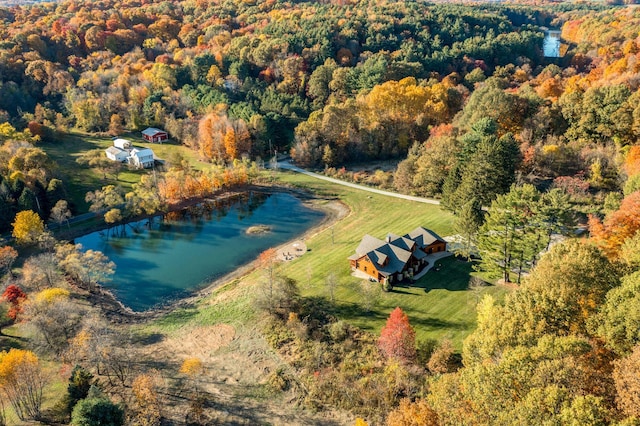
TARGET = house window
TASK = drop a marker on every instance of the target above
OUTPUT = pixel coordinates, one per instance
(365, 269)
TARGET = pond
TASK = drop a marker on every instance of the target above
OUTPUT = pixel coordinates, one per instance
(551, 44)
(165, 258)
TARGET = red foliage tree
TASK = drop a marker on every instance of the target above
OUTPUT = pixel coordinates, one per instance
(397, 338)
(15, 296)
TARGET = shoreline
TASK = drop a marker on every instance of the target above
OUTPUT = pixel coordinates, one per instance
(104, 299)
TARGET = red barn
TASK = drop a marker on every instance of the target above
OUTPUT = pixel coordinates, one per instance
(154, 135)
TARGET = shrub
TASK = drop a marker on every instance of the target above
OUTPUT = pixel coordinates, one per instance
(97, 410)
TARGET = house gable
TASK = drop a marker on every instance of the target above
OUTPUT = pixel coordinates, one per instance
(364, 264)
(427, 240)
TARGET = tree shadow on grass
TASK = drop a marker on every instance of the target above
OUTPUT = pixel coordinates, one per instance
(438, 323)
(450, 274)
(9, 342)
(357, 312)
(145, 338)
(397, 290)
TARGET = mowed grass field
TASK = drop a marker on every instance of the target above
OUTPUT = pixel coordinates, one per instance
(80, 179)
(438, 305)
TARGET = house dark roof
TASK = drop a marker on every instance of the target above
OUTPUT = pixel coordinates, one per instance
(368, 244)
(423, 237)
(389, 256)
(404, 242)
(397, 259)
(378, 257)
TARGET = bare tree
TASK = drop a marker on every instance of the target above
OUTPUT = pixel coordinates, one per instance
(41, 271)
(370, 293)
(279, 297)
(331, 283)
(476, 284)
(61, 213)
(55, 322)
(107, 351)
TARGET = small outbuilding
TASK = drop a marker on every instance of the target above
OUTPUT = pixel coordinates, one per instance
(154, 135)
(122, 143)
(117, 154)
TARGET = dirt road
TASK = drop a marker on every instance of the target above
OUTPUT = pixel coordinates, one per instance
(288, 166)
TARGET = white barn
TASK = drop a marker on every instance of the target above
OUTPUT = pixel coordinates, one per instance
(117, 154)
(122, 143)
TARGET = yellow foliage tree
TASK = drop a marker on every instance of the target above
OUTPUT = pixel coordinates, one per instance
(27, 227)
(147, 406)
(51, 295)
(192, 367)
(113, 216)
(21, 382)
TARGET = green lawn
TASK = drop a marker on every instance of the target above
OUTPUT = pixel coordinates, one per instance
(79, 180)
(438, 305)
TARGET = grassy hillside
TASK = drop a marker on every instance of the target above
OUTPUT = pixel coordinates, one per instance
(438, 305)
(79, 179)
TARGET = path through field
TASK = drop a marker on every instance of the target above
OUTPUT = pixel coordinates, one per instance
(288, 166)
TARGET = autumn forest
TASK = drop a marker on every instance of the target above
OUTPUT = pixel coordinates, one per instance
(534, 161)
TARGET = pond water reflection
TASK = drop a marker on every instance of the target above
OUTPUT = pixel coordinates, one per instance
(164, 258)
(551, 44)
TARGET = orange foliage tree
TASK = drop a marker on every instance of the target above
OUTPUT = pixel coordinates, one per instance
(397, 338)
(178, 185)
(632, 161)
(230, 143)
(619, 225)
(416, 413)
(626, 374)
(267, 261)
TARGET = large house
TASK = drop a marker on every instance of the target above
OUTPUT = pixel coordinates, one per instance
(123, 152)
(154, 135)
(396, 257)
(142, 158)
